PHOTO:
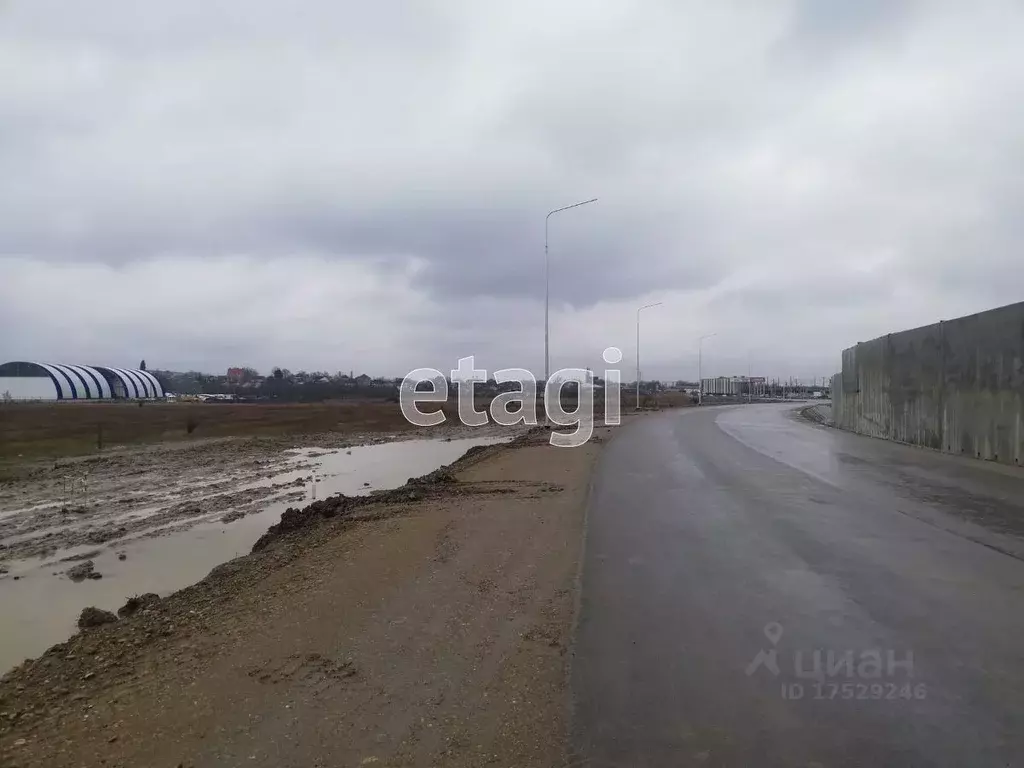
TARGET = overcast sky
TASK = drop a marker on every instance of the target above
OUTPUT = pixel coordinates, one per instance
(362, 185)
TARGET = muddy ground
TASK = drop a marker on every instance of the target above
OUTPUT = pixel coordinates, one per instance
(426, 626)
(78, 428)
(158, 518)
(91, 501)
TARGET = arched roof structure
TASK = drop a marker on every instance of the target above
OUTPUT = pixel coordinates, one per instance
(85, 382)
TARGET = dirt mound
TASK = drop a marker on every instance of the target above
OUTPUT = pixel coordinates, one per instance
(292, 519)
(473, 451)
(137, 602)
(83, 571)
(94, 617)
(445, 476)
(439, 476)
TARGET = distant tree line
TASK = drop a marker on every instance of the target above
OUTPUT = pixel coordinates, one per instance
(282, 385)
(304, 386)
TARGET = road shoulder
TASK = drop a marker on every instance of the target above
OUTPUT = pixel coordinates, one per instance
(431, 630)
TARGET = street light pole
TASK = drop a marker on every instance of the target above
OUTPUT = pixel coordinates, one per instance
(750, 384)
(641, 309)
(547, 284)
(700, 375)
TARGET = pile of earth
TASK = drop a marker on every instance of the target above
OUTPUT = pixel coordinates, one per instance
(415, 489)
(83, 571)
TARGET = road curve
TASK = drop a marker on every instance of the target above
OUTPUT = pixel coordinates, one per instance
(760, 591)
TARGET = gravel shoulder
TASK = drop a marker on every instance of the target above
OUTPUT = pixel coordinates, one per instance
(428, 625)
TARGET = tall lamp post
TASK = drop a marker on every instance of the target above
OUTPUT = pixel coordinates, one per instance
(700, 375)
(547, 283)
(641, 309)
(750, 384)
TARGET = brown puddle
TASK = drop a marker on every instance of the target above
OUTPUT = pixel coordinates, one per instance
(179, 534)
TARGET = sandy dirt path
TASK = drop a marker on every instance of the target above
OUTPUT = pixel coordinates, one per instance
(431, 631)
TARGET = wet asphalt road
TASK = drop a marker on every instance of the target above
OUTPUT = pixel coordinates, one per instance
(888, 581)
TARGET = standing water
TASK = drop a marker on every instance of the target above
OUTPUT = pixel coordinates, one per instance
(41, 607)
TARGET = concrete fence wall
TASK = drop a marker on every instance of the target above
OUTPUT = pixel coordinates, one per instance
(956, 386)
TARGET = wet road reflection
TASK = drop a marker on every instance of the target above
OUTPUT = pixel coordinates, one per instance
(744, 572)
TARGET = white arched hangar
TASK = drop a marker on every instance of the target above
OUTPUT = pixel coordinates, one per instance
(58, 381)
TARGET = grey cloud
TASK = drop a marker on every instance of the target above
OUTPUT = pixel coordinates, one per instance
(419, 146)
(826, 21)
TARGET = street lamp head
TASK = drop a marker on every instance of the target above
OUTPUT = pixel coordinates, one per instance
(574, 205)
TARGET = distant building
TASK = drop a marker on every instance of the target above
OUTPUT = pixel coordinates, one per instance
(734, 386)
(58, 381)
(719, 385)
(236, 375)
